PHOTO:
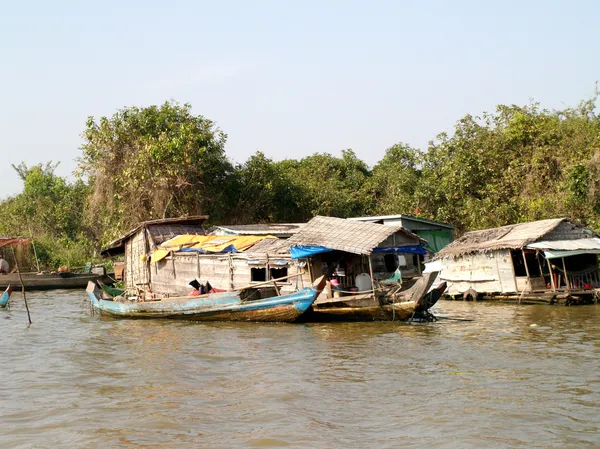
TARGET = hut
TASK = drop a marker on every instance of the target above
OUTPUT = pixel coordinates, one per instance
(137, 244)
(551, 261)
(343, 249)
(162, 257)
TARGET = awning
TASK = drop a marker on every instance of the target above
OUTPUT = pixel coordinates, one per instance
(298, 252)
(410, 249)
(564, 248)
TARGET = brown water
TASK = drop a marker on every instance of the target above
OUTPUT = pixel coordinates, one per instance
(76, 380)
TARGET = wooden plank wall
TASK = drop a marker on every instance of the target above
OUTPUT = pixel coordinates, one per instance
(173, 274)
(136, 269)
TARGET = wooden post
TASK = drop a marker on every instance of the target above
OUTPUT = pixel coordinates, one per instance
(526, 269)
(22, 285)
(276, 288)
(551, 275)
(372, 278)
(231, 284)
(567, 283)
(419, 263)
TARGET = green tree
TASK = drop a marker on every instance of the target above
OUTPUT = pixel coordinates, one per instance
(153, 162)
(394, 181)
(329, 185)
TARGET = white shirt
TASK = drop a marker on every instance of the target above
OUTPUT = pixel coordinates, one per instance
(4, 267)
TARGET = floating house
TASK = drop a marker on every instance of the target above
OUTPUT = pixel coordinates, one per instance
(162, 257)
(343, 248)
(543, 261)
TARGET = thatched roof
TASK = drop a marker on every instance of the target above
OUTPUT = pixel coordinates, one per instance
(514, 236)
(346, 235)
(159, 230)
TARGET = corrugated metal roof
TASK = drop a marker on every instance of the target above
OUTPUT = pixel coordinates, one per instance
(340, 234)
(402, 217)
(567, 245)
(276, 229)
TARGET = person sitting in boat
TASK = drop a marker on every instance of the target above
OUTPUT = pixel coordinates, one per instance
(4, 266)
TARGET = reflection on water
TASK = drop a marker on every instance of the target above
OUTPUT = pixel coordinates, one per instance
(484, 375)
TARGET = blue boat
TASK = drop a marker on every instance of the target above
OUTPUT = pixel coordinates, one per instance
(5, 297)
(226, 306)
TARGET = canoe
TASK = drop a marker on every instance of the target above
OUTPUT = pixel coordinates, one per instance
(5, 297)
(34, 281)
(389, 304)
(226, 306)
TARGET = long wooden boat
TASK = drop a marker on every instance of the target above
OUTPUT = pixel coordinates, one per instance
(226, 306)
(35, 281)
(387, 304)
(5, 297)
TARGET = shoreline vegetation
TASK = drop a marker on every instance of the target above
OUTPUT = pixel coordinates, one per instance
(519, 163)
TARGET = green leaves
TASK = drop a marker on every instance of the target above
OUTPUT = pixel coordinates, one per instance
(152, 162)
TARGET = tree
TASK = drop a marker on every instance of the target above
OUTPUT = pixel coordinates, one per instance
(394, 180)
(329, 185)
(52, 210)
(153, 162)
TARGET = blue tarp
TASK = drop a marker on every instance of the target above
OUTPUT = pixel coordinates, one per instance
(298, 252)
(411, 249)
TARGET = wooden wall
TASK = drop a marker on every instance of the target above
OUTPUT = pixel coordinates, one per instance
(136, 263)
(173, 274)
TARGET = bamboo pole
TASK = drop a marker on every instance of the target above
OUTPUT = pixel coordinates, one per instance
(276, 288)
(372, 278)
(551, 275)
(22, 285)
(526, 269)
(567, 283)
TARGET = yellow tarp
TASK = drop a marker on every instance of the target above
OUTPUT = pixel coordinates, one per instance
(207, 243)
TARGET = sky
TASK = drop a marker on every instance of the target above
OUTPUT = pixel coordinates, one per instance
(288, 78)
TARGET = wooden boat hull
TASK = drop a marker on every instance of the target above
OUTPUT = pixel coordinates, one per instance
(389, 312)
(34, 281)
(5, 297)
(411, 303)
(227, 306)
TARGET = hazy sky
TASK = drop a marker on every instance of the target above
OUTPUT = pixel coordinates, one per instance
(289, 78)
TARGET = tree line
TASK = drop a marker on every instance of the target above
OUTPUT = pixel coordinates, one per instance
(519, 163)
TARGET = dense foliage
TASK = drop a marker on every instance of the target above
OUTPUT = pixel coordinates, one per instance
(517, 164)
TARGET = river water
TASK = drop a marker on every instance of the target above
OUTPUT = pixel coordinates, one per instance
(485, 375)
